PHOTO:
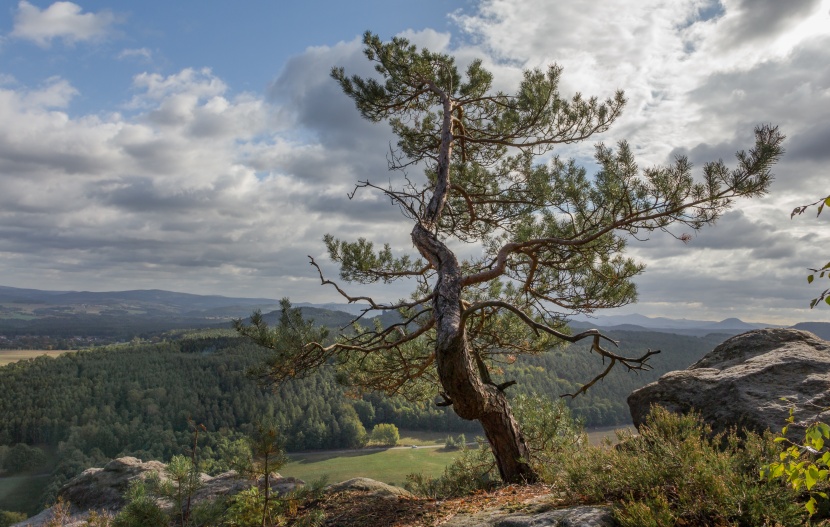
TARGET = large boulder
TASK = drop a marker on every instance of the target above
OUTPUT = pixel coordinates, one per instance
(104, 488)
(742, 382)
(580, 516)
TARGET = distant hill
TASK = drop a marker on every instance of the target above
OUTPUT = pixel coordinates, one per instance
(352, 309)
(820, 329)
(154, 301)
(635, 322)
(34, 319)
(125, 314)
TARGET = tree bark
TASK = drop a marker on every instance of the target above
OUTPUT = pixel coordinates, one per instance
(471, 397)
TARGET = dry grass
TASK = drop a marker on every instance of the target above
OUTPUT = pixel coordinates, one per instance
(354, 509)
(10, 356)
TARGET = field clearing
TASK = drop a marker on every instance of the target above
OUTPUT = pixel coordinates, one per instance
(9, 356)
(389, 466)
(421, 438)
(393, 465)
(22, 493)
(596, 436)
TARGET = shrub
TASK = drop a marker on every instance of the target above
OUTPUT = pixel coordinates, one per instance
(474, 469)
(385, 434)
(8, 518)
(99, 519)
(22, 457)
(548, 427)
(676, 472)
(141, 509)
(455, 443)
(246, 508)
(550, 430)
(804, 465)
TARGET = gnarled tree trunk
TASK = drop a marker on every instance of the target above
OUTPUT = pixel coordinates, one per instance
(471, 397)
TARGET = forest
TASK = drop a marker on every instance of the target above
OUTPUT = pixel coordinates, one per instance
(143, 399)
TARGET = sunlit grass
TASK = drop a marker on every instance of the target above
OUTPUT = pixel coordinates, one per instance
(9, 356)
(389, 466)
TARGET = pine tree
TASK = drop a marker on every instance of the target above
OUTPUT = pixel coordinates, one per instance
(552, 238)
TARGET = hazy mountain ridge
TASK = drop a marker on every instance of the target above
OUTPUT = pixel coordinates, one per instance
(20, 308)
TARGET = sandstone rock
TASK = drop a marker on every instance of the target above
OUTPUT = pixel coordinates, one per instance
(741, 382)
(103, 488)
(374, 488)
(582, 516)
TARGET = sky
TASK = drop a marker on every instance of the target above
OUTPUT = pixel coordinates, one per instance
(202, 147)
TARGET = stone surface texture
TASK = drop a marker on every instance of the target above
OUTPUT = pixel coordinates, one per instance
(370, 486)
(542, 516)
(102, 489)
(741, 383)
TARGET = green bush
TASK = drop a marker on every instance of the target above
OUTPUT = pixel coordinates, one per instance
(246, 508)
(548, 427)
(385, 434)
(8, 518)
(141, 509)
(473, 469)
(455, 443)
(676, 472)
(804, 465)
(550, 430)
(22, 458)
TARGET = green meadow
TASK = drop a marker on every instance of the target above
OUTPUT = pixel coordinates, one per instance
(388, 465)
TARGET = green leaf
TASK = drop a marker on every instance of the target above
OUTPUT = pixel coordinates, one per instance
(778, 471)
(826, 458)
(811, 506)
(825, 429)
(811, 477)
(827, 201)
(810, 279)
(827, 300)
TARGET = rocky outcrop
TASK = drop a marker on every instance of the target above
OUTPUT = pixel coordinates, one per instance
(370, 486)
(742, 382)
(103, 489)
(584, 516)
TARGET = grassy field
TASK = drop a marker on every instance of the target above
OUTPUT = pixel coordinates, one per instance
(596, 436)
(9, 356)
(420, 438)
(389, 466)
(22, 493)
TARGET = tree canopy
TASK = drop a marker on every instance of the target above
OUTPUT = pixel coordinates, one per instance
(552, 238)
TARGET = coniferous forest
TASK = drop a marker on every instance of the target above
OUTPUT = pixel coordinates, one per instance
(143, 399)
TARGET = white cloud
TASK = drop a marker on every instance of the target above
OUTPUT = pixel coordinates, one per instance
(61, 20)
(699, 75)
(193, 181)
(197, 188)
(140, 53)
